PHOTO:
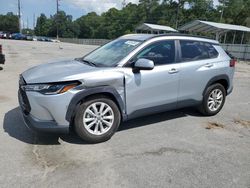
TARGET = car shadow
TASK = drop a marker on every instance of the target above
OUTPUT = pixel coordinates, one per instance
(160, 117)
(14, 125)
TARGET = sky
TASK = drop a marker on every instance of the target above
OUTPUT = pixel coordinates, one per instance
(31, 9)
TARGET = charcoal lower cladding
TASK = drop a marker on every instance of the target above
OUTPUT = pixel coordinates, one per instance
(23, 99)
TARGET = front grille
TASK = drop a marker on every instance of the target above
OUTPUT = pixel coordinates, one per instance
(23, 99)
(21, 81)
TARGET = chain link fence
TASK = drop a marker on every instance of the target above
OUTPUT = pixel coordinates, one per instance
(237, 50)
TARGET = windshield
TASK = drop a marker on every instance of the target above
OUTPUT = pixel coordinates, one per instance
(112, 53)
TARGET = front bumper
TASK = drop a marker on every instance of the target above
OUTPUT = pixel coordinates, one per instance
(44, 126)
(36, 124)
(2, 59)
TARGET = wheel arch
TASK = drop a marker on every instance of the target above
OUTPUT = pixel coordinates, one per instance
(221, 79)
(87, 93)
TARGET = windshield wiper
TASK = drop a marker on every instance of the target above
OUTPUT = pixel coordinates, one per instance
(86, 62)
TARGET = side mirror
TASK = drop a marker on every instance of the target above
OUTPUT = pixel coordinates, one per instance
(143, 64)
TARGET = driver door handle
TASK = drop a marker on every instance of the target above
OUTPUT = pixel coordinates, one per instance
(173, 71)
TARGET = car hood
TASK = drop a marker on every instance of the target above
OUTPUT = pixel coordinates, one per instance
(56, 72)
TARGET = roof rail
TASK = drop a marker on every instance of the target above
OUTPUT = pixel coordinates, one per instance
(181, 35)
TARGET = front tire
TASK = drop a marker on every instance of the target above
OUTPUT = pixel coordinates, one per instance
(213, 100)
(97, 119)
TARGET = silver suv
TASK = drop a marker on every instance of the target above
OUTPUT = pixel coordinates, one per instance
(132, 76)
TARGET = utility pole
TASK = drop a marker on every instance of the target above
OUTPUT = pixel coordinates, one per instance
(222, 11)
(124, 3)
(34, 21)
(57, 11)
(19, 16)
(27, 22)
(177, 15)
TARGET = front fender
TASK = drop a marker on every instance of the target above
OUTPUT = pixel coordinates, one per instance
(91, 91)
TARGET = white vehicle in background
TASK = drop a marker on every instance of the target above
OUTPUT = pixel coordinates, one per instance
(55, 40)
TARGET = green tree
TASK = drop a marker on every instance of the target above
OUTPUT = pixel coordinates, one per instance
(66, 27)
(43, 25)
(89, 25)
(9, 23)
(114, 23)
(48, 26)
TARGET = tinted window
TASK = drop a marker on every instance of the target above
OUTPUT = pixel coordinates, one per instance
(211, 50)
(193, 50)
(161, 53)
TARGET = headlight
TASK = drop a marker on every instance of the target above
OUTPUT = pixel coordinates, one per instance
(51, 89)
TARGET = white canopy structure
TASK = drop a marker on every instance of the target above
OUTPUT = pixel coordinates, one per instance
(213, 27)
(154, 29)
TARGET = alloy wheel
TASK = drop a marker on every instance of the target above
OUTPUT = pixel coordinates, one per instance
(98, 118)
(215, 100)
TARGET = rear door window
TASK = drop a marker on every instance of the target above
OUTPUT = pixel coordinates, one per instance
(196, 50)
(212, 52)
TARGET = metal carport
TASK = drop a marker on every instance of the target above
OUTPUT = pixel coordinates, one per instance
(218, 29)
(154, 29)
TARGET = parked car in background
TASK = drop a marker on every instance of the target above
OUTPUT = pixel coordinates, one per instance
(132, 76)
(34, 38)
(55, 40)
(1, 34)
(2, 57)
(29, 37)
(18, 36)
(47, 39)
(39, 38)
(5, 35)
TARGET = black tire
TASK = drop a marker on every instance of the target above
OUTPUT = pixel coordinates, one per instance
(80, 129)
(203, 108)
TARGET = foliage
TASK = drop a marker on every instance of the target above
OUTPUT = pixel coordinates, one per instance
(9, 23)
(28, 31)
(114, 23)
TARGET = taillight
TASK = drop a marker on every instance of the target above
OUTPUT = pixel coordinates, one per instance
(0, 49)
(233, 62)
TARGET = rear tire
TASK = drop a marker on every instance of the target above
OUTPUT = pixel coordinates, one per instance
(213, 100)
(97, 119)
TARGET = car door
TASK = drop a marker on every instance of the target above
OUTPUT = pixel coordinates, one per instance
(197, 66)
(150, 91)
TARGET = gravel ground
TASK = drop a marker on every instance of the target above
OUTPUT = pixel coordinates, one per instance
(172, 149)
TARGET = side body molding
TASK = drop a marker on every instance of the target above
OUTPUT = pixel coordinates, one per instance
(91, 91)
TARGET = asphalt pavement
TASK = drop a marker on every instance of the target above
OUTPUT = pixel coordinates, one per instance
(172, 149)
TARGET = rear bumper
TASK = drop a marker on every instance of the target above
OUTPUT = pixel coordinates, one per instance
(2, 59)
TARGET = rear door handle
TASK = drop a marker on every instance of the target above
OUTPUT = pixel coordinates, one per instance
(208, 65)
(172, 71)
